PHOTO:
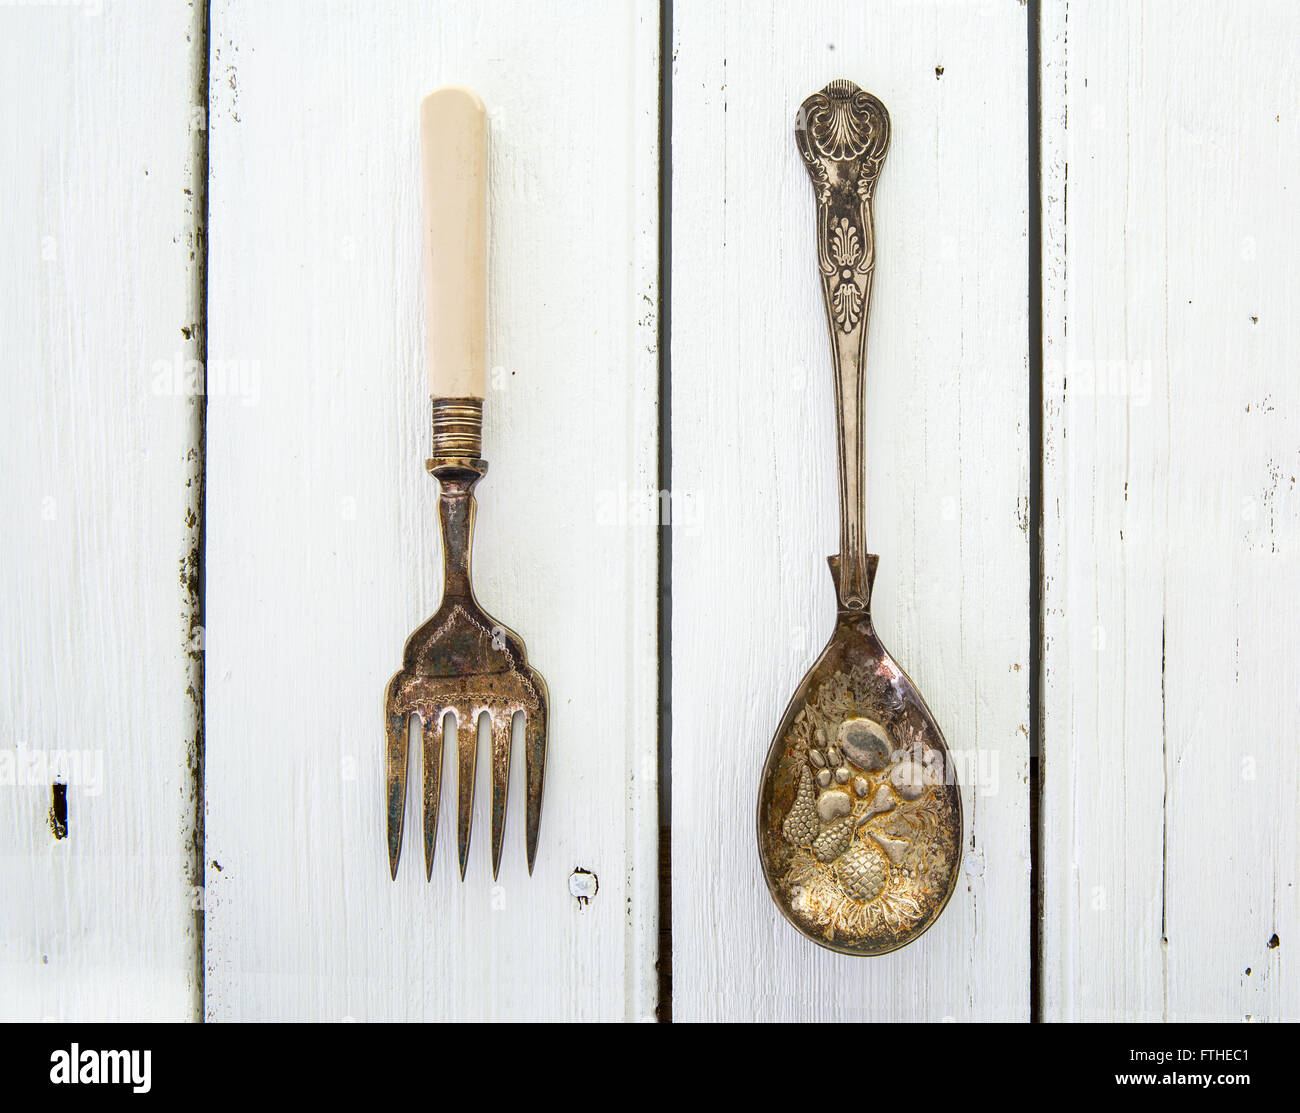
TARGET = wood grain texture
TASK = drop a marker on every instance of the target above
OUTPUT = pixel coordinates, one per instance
(323, 551)
(755, 488)
(98, 311)
(1172, 519)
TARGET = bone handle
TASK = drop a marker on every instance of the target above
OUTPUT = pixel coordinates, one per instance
(453, 141)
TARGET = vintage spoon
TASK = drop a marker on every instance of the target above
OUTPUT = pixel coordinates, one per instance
(859, 814)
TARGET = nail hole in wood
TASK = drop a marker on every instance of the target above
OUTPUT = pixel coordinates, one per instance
(583, 884)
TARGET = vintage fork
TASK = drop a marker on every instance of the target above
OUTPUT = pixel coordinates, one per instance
(461, 662)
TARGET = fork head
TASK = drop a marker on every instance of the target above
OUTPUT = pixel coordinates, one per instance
(464, 663)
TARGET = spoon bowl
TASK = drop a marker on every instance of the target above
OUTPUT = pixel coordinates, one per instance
(859, 813)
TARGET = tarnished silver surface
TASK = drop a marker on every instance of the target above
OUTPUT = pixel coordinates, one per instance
(859, 814)
(463, 662)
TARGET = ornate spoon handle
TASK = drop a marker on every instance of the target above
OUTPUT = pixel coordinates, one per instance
(843, 134)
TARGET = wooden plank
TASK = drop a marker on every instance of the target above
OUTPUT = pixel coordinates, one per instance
(1171, 528)
(754, 462)
(99, 311)
(324, 552)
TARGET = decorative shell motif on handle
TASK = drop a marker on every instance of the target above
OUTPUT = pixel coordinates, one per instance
(843, 134)
(846, 122)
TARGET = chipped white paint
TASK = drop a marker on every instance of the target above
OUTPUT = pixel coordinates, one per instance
(97, 292)
(323, 548)
(1172, 516)
(754, 462)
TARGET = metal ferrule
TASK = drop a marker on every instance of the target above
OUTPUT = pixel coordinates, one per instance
(457, 427)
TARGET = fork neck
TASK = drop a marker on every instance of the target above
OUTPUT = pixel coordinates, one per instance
(456, 507)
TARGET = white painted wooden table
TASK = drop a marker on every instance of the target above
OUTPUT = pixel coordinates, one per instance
(1169, 515)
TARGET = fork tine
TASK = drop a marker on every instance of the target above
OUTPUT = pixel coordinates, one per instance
(432, 784)
(534, 770)
(398, 731)
(502, 725)
(467, 750)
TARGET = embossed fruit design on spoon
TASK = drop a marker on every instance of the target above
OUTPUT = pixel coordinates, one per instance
(859, 814)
